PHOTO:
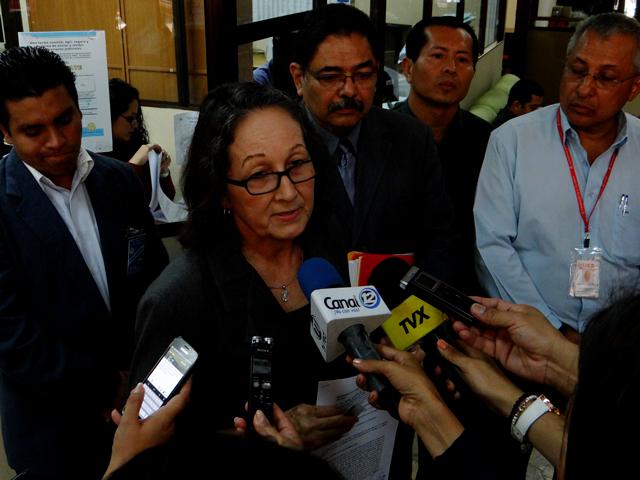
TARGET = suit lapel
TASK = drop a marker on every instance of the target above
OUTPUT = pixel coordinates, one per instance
(330, 194)
(38, 213)
(110, 223)
(34, 207)
(374, 151)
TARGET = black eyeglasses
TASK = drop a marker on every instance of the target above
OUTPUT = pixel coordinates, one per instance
(132, 120)
(334, 81)
(602, 81)
(261, 183)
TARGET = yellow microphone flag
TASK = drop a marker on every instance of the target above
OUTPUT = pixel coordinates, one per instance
(410, 321)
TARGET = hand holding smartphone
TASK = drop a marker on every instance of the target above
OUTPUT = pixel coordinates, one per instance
(167, 376)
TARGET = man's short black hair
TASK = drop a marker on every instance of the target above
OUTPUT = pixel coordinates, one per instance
(523, 90)
(417, 37)
(332, 19)
(29, 72)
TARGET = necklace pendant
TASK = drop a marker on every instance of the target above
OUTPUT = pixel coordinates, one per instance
(285, 293)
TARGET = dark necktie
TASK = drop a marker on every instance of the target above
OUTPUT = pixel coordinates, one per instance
(347, 166)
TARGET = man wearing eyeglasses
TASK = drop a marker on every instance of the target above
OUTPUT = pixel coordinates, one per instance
(556, 210)
(385, 183)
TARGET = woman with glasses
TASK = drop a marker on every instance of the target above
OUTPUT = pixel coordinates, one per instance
(253, 219)
(131, 139)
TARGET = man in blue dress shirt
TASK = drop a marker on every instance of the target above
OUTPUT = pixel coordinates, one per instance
(556, 214)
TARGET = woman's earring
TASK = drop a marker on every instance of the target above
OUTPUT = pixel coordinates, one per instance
(6, 142)
(226, 212)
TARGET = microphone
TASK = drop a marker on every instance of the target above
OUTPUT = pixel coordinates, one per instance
(411, 318)
(411, 294)
(342, 319)
(419, 302)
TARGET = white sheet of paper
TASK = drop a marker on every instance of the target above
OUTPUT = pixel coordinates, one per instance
(169, 210)
(184, 124)
(363, 453)
(154, 167)
(354, 269)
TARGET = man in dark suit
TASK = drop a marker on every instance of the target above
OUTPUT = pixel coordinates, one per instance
(77, 249)
(440, 62)
(386, 184)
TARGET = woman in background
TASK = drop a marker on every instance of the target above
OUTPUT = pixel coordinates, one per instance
(131, 139)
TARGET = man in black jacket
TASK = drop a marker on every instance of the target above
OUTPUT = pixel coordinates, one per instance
(386, 183)
(441, 55)
(77, 249)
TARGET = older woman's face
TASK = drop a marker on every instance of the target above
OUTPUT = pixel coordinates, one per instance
(265, 141)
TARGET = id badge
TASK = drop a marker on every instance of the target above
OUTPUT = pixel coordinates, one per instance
(135, 250)
(584, 272)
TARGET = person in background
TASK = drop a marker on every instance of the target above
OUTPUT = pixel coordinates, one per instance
(556, 223)
(384, 180)
(440, 62)
(525, 96)
(249, 186)
(589, 440)
(439, 65)
(275, 72)
(131, 139)
(78, 247)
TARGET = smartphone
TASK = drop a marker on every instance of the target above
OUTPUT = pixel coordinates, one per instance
(167, 376)
(260, 385)
(439, 294)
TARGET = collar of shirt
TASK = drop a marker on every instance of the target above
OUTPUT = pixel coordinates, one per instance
(451, 130)
(84, 165)
(571, 135)
(331, 140)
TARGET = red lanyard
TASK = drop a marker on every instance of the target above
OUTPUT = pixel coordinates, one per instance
(576, 186)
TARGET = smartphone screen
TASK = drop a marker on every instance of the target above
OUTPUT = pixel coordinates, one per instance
(167, 375)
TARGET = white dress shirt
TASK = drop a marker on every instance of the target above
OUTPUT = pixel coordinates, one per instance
(75, 209)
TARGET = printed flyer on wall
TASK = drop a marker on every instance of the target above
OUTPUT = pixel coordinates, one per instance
(86, 55)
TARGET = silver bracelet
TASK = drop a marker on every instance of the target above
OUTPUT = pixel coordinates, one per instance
(532, 410)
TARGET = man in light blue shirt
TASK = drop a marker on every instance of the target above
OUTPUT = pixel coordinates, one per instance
(558, 192)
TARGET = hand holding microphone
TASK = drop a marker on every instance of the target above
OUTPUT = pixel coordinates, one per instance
(419, 306)
(421, 406)
(342, 318)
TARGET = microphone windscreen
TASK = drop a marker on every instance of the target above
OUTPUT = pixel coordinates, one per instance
(386, 278)
(316, 273)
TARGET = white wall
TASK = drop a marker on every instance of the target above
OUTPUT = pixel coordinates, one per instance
(159, 123)
(403, 12)
(633, 107)
(488, 72)
(510, 21)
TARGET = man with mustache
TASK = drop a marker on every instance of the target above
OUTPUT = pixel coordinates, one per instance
(77, 249)
(386, 184)
(440, 61)
(556, 210)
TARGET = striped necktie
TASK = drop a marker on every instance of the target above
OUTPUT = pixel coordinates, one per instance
(347, 166)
